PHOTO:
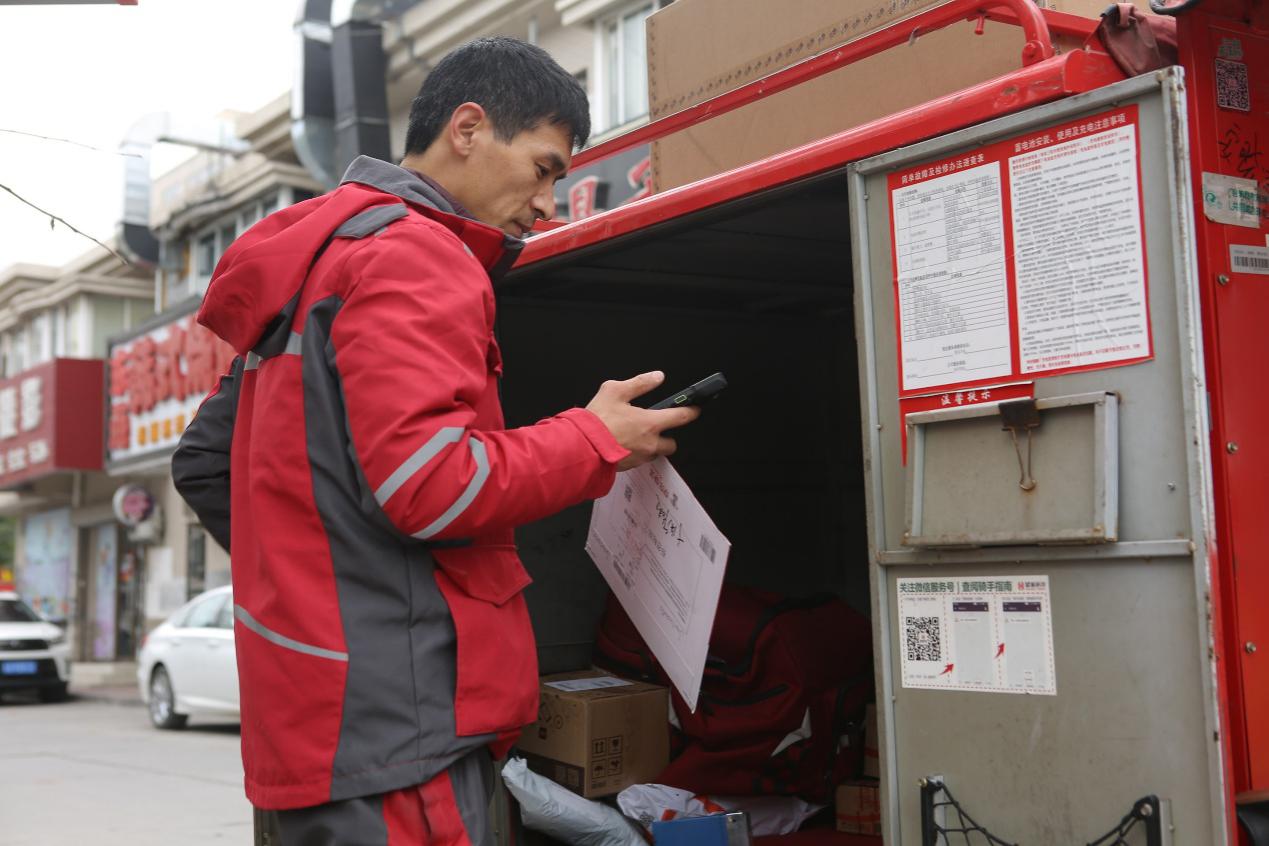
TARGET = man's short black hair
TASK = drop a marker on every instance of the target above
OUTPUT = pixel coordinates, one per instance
(519, 86)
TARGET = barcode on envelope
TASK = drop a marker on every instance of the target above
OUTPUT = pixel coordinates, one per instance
(707, 548)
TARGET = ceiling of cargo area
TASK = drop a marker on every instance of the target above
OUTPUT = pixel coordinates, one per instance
(787, 250)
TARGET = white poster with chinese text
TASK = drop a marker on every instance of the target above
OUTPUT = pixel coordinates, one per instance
(991, 634)
(949, 246)
(1078, 252)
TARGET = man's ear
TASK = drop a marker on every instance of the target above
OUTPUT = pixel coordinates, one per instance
(464, 125)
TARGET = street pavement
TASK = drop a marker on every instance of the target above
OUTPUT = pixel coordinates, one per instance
(94, 771)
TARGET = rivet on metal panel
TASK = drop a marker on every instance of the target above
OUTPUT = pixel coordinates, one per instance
(1222, 279)
(1145, 810)
(1250, 647)
(1171, 486)
(1231, 447)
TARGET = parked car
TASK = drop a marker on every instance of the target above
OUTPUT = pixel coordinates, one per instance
(187, 665)
(34, 654)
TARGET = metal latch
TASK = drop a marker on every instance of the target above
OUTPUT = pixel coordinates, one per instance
(1021, 415)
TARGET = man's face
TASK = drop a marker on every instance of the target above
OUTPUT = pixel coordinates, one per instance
(512, 184)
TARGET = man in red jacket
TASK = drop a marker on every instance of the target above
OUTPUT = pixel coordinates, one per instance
(355, 462)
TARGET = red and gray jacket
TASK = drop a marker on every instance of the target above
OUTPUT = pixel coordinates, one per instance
(355, 463)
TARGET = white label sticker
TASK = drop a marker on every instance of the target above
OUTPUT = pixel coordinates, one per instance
(1080, 267)
(1244, 258)
(949, 245)
(1232, 200)
(574, 685)
(991, 634)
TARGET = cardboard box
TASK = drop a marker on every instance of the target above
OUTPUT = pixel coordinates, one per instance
(872, 746)
(597, 734)
(698, 49)
(859, 807)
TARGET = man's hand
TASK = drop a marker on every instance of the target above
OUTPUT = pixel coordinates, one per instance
(638, 429)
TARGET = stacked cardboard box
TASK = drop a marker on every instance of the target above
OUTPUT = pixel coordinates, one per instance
(698, 49)
(597, 734)
(859, 807)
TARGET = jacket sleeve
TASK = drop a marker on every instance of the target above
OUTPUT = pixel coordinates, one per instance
(200, 465)
(411, 346)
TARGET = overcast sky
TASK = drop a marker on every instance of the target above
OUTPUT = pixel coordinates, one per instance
(86, 73)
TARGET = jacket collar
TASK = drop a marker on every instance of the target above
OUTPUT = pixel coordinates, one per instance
(495, 249)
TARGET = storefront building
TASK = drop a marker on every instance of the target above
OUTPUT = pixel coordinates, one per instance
(158, 375)
(70, 560)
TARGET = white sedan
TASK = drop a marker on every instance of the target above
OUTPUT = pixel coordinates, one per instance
(187, 665)
(34, 654)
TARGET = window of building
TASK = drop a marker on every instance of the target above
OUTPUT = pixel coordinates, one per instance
(228, 233)
(205, 254)
(622, 83)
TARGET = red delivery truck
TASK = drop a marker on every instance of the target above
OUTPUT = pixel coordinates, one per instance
(997, 379)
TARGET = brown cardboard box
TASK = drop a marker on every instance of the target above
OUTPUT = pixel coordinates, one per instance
(872, 748)
(596, 734)
(859, 807)
(697, 49)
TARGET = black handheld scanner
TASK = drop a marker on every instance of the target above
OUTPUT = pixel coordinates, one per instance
(706, 389)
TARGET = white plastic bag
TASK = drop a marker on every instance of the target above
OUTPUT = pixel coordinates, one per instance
(648, 803)
(552, 810)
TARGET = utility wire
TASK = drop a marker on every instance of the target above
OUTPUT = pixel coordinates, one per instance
(54, 218)
(68, 141)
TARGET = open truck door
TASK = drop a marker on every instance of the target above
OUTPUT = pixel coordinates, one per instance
(1038, 480)
(969, 395)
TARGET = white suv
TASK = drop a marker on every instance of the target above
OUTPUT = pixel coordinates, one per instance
(34, 654)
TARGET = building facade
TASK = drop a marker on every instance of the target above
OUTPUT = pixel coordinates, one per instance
(72, 561)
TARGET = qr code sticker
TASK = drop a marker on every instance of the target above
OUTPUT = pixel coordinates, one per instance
(1233, 91)
(924, 643)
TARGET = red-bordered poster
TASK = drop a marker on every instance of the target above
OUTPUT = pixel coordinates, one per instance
(1023, 258)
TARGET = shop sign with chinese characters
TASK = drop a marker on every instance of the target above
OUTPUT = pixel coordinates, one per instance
(50, 420)
(158, 378)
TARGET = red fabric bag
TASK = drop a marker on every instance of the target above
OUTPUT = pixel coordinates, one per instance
(786, 680)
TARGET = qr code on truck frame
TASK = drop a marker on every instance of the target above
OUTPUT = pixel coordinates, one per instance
(922, 637)
(1233, 91)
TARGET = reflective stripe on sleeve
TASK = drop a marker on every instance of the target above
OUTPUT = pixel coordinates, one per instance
(477, 482)
(252, 623)
(413, 464)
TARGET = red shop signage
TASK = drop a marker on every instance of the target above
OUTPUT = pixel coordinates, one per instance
(51, 420)
(157, 381)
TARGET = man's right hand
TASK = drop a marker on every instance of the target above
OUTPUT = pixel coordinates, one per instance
(638, 429)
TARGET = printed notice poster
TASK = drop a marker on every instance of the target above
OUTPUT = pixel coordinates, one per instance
(664, 560)
(949, 245)
(1025, 257)
(1078, 252)
(992, 634)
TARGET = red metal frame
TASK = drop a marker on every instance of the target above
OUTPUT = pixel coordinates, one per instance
(1036, 27)
(1233, 307)
(1042, 82)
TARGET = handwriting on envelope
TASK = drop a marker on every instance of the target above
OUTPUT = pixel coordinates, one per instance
(664, 559)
